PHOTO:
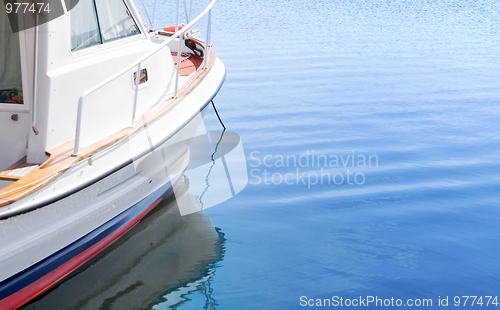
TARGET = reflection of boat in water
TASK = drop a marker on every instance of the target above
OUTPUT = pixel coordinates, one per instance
(166, 259)
(84, 143)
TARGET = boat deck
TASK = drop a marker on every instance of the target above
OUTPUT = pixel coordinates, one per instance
(18, 170)
(189, 63)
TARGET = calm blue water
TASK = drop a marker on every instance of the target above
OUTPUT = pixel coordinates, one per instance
(415, 85)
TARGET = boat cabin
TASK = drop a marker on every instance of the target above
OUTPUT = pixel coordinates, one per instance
(45, 69)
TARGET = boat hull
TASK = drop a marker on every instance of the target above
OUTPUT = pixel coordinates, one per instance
(30, 283)
(91, 219)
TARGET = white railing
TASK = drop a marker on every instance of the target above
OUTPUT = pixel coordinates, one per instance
(177, 34)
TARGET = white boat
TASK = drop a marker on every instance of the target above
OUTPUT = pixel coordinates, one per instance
(96, 113)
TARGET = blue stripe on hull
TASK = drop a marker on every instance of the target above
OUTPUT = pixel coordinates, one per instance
(35, 272)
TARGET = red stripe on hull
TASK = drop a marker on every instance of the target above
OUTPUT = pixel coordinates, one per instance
(33, 290)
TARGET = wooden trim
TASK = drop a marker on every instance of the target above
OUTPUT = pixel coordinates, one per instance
(60, 159)
(4, 175)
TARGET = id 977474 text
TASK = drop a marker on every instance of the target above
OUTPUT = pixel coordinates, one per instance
(25, 7)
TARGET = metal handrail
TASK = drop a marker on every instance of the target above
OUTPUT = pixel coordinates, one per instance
(35, 80)
(137, 63)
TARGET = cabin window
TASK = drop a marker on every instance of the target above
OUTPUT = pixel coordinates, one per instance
(10, 63)
(84, 30)
(100, 21)
(115, 21)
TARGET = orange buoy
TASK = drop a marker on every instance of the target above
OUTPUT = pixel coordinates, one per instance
(172, 28)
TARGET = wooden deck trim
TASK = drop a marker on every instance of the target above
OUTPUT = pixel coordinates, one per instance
(60, 159)
(4, 175)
